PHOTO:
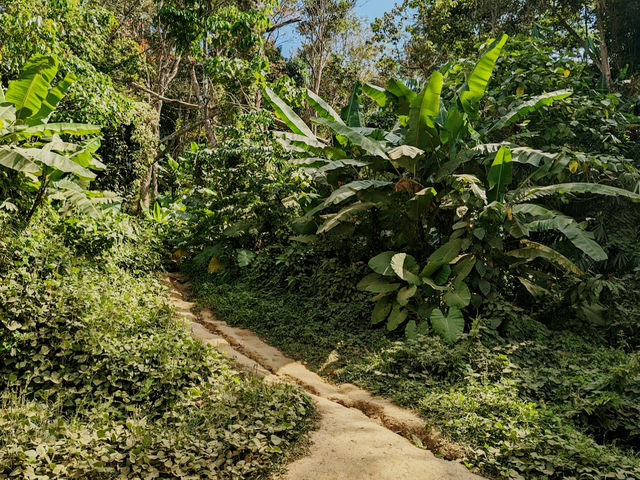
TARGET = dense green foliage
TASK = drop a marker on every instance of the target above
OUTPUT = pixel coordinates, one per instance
(441, 208)
(98, 379)
(530, 401)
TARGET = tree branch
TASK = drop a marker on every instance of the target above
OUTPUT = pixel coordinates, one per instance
(181, 131)
(283, 24)
(165, 99)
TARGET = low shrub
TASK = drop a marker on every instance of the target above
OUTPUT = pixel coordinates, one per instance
(98, 379)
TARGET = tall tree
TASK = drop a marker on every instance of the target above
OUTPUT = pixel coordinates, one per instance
(323, 22)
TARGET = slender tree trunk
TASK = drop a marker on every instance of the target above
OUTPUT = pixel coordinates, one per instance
(604, 51)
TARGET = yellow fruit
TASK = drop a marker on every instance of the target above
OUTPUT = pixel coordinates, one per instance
(567, 73)
(520, 90)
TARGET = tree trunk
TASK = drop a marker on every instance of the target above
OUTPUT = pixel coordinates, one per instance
(604, 51)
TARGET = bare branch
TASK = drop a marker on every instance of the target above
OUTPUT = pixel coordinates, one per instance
(277, 26)
(165, 99)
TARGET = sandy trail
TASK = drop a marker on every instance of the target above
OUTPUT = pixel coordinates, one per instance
(360, 436)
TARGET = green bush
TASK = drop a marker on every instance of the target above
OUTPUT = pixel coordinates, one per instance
(98, 380)
(522, 399)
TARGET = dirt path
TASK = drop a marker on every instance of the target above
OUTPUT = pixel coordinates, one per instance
(360, 436)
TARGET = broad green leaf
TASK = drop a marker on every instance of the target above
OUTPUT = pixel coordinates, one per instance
(411, 329)
(500, 175)
(420, 202)
(404, 151)
(570, 228)
(377, 94)
(473, 90)
(56, 161)
(53, 98)
(459, 296)
(7, 114)
(382, 286)
(424, 108)
(402, 93)
(596, 188)
(536, 103)
(449, 327)
(405, 293)
(396, 317)
(463, 267)
(441, 276)
(368, 280)
(441, 256)
(352, 114)
(15, 159)
(344, 214)
(533, 250)
(322, 107)
(77, 129)
(369, 145)
(381, 263)
(533, 289)
(285, 113)
(245, 257)
(30, 89)
(351, 189)
(406, 268)
(381, 311)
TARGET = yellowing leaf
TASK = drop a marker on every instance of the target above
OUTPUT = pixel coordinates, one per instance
(573, 166)
(214, 265)
(567, 73)
(178, 254)
(520, 90)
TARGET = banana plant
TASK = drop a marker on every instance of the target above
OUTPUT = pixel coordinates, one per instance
(435, 170)
(40, 150)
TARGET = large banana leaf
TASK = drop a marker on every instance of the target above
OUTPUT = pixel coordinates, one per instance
(500, 175)
(55, 161)
(570, 228)
(30, 89)
(372, 147)
(377, 94)
(403, 94)
(533, 250)
(473, 90)
(77, 129)
(7, 114)
(285, 113)
(53, 98)
(424, 108)
(545, 219)
(12, 158)
(536, 103)
(352, 112)
(323, 108)
(350, 189)
(344, 214)
(599, 189)
(524, 155)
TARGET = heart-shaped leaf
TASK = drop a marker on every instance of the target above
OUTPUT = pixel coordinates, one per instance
(449, 327)
(459, 296)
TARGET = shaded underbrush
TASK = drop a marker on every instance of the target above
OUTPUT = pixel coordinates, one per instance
(98, 380)
(525, 400)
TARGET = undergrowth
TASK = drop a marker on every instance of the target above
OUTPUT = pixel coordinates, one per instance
(98, 380)
(526, 401)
